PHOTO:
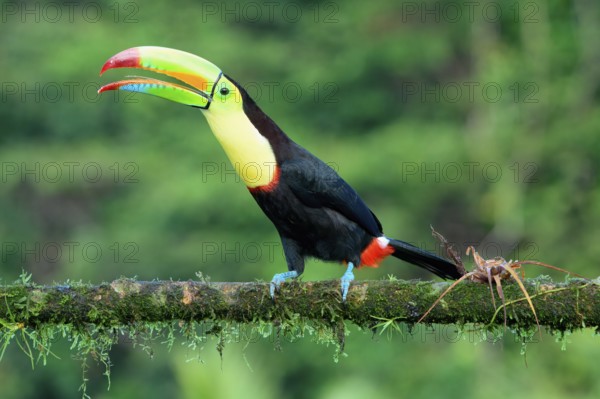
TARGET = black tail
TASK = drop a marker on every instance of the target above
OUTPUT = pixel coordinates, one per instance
(424, 259)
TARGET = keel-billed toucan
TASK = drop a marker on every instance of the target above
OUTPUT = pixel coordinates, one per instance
(316, 213)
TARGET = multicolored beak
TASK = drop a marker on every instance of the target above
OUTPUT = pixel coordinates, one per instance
(200, 75)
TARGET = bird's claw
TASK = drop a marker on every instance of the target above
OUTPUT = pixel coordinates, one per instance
(345, 281)
(280, 278)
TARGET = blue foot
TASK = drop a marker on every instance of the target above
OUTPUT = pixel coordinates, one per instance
(280, 278)
(346, 279)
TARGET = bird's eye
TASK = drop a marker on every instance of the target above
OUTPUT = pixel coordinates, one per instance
(224, 91)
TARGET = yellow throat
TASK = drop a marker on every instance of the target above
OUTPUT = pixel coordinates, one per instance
(249, 151)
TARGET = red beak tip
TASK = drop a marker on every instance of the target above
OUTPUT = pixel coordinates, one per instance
(110, 86)
(129, 58)
(104, 68)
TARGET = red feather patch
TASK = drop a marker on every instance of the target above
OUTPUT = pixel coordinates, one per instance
(374, 254)
(270, 186)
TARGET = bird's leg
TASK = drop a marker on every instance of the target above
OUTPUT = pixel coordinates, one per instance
(280, 278)
(346, 279)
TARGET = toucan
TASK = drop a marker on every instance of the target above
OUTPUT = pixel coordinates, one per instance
(316, 213)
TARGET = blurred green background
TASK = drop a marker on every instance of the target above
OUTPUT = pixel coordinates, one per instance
(479, 118)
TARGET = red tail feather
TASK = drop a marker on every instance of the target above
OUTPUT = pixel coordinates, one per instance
(374, 254)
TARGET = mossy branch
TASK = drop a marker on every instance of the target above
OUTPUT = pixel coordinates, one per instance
(560, 306)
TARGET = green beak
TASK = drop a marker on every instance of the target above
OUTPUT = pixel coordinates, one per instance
(200, 75)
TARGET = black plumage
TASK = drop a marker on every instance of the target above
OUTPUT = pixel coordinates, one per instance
(318, 214)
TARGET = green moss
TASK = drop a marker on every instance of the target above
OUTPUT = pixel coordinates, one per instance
(195, 314)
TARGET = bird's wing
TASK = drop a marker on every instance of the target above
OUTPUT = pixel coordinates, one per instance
(316, 184)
